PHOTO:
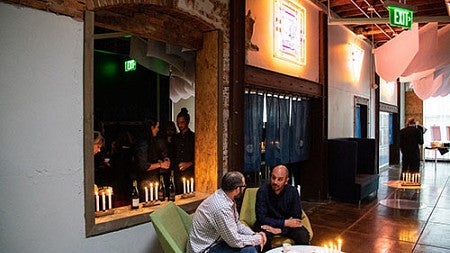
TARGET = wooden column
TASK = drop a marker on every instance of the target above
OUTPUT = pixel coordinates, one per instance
(237, 86)
(208, 113)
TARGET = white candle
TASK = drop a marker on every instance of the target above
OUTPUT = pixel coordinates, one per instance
(339, 245)
(97, 203)
(184, 185)
(146, 194)
(109, 198)
(156, 190)
(103, 201)
(192, 184)
(188, 187)
(151, 191)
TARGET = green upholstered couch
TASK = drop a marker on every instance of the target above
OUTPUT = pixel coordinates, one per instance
(172, 225)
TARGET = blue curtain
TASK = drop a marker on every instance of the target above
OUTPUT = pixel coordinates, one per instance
(300, 132)
(358, 122)
(391, 128)
(254, 106)
(277, 131)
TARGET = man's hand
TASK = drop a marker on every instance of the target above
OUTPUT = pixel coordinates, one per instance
(293, 223)
(272, 230)
(264, 239)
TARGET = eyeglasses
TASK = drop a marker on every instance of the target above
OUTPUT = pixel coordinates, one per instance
(241, 186)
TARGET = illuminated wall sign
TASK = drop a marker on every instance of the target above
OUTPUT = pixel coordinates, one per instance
(400, 17)
(130, 65)
(289, 31)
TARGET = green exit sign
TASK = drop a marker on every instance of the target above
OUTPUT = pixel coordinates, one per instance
(400, 17)
(130, 65)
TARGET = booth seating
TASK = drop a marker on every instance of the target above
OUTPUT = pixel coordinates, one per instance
(352, 169)
(248, 217)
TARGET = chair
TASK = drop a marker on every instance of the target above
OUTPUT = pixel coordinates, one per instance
(172, 225)
(248, 217)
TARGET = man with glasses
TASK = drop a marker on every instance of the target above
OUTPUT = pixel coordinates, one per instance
(279, 210)
(216, 226)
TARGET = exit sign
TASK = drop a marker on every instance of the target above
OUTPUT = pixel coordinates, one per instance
(130, 65)
(400, 17)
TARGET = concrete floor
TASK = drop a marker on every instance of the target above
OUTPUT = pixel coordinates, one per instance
(375, 228)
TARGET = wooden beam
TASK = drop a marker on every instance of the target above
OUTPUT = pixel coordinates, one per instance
(368, 21)
(280, 82)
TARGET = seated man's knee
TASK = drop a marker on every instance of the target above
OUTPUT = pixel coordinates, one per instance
(300, 236)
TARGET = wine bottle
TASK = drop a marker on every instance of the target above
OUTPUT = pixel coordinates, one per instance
(161, 189)
(171, 188)
(135, 196)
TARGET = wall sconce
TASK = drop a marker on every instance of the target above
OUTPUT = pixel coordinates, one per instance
(355, 61)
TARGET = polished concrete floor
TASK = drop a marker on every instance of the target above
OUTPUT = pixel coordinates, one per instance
(372, 227)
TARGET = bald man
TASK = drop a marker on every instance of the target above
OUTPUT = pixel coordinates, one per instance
(278, 209)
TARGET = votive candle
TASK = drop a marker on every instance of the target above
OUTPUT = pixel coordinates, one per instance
(146, 193)
(103, 201)
(97, 204)
(109, 197)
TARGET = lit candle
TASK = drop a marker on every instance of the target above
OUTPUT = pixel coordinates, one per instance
(109, 197)
(103, 201)
(151, 191)
(418, 178)
(192, 184)
(146, 193)
(97, 203)
(156, 190)
(184, 185)
(403, 176)
(188, 187)
(339, 245)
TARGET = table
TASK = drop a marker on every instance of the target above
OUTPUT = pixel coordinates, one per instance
(299, 249)
(442, 150)
(398, 203)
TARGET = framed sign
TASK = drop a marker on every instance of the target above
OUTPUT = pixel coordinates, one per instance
(289, 23)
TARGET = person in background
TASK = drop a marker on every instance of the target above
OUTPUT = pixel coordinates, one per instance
(99, 141)
(102, 167)
(411, 137)
(279, 209)
(216, 227)
(152, 156)
(184, 144)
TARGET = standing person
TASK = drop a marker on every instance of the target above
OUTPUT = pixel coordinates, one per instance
(216, 227)
(410, 139)
(184, 143)
(279, 210)
(151, 155)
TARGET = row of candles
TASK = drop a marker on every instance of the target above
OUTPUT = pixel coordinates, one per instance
(152, 190)
(411, 177)
(332, 248)
(106, 195)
